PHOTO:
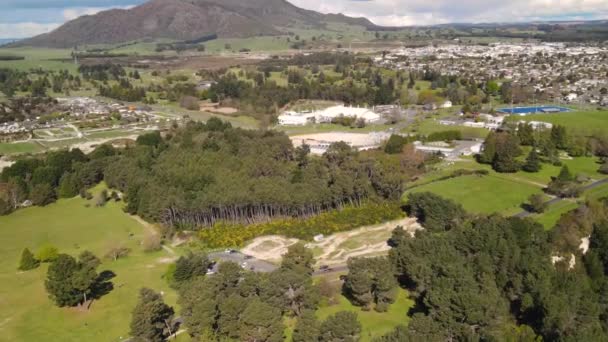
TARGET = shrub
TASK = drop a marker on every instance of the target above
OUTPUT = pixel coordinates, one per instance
(47, 254)
(42, 194)
(151, 242)
(537, 203)
(102, 198)
(233, 235)
(435, 212)
(116, 253)
(28, 262)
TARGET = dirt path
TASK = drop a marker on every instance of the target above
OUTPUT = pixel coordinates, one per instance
(336, 248)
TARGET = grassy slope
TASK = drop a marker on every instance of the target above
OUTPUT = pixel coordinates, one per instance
(486, 194)
(72, 227)
(374, 324)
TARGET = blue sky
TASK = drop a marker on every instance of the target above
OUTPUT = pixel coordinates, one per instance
(24, 18)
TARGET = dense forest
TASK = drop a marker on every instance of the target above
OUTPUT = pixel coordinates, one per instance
(473, 278)
(204, 173)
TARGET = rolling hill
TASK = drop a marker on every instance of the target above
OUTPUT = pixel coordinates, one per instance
(187, 20)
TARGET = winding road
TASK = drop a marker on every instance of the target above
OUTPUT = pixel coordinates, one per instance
(593, 185)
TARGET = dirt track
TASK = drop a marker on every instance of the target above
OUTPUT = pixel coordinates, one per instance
(334, 249)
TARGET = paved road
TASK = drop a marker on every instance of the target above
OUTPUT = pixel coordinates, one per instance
(246, 261)
(558, 199)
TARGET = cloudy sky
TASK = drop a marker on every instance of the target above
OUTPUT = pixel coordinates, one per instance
(24, 18)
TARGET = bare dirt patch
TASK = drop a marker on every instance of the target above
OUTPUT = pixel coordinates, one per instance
(217, 108)
(334, 249)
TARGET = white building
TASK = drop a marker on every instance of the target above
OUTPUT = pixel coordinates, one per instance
(295, 118)
(326, 115)
(571, 97)
(538, 124)
(447, 104)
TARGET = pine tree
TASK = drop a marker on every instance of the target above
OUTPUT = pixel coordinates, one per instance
(565, 175)
(151, 318)
(307, 328)
(532, 163)
(343, 326)
(28, 262)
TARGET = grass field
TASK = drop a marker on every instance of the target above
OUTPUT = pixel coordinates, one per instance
(484, 195)
(427, 127)
(581, 122)
(72, 227)
(374, 323)
(17, 148)
(38, 58)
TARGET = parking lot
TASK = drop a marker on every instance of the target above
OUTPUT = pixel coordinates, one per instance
(246, 261)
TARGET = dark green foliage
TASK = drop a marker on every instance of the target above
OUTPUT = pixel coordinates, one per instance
(212, 172)
(371, 281)
(399, 334)
(151, 318)
(247, 306)
(261, 322)
(150, 139)
(537, 203)
(42, 194)
(191, 266)
(525, 133)
(70, 281)
(565, 175)
(434, 212)
(68, 186)
(445, 136)
(472, 281)
(395, 144)
(28, 262)
(604, 168)
(501, 150)
(532, 163)
(469, 287)
(344, 326)
(307, 328)
(559, 137)
(565, 184)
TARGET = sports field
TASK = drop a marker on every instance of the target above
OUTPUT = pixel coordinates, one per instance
(72, 227)
(581, 122)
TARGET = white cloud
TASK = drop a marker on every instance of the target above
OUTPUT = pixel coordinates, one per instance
(73, 13)
(429, 12)
(25, 30)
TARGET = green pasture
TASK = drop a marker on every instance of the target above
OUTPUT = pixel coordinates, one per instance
(74, 225)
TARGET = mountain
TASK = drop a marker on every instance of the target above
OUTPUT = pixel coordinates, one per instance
(187, 20)
(4, 41)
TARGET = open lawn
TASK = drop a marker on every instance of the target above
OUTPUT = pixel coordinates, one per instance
(72, 227)
(50, 59)
(483, 194)
(16, 148)
(581, 122)
(429, 126)
(374, 323)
